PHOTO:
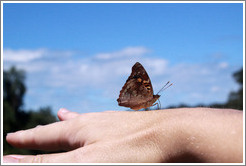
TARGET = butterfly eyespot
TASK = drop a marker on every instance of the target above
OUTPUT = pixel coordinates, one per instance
(146, 82)
(147, 87)
(139, 80)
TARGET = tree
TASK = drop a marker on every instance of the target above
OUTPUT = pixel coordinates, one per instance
(14, 116)
(235, 99)
(14, 87)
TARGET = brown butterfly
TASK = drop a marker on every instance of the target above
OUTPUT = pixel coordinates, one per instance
(137, 92)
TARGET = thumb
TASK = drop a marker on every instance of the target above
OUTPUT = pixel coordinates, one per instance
(64, 114)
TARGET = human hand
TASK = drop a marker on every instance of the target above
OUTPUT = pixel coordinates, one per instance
(94, 137)
(122, 136)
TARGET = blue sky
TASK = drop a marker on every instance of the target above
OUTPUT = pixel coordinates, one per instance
(79, 55)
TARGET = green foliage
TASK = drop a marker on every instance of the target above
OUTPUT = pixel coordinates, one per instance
(40, 117)
(236, 98)
(14, 117)
(14, 87)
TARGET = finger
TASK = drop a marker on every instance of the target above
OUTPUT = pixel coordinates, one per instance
(64, 114)
(52, 137)
(71, 157)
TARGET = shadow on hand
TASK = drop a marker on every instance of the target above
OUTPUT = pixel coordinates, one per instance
(186, 158)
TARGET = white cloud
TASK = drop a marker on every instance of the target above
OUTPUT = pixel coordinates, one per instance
(157, 66)
(126, 52)
(215, 89)
(223, 65)
(65, 79)
(22, 55)
(35, 60)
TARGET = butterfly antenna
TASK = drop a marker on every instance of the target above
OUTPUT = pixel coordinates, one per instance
(159, 105)
(165, 86)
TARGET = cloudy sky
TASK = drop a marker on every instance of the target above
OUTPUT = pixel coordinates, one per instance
(78, 56)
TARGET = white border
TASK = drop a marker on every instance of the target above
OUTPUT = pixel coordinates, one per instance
(243, 2)
(1, 82)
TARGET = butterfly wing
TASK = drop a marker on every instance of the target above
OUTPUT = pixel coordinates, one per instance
(137, 89)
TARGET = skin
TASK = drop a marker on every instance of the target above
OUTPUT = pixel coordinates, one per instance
(171, 135)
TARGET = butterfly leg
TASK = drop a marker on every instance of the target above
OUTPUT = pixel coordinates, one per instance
(156, 104)
(159, 104)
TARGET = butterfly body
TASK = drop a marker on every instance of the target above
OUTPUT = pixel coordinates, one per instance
(137, 92)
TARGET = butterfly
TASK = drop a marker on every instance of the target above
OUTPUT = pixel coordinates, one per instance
(137, 93)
